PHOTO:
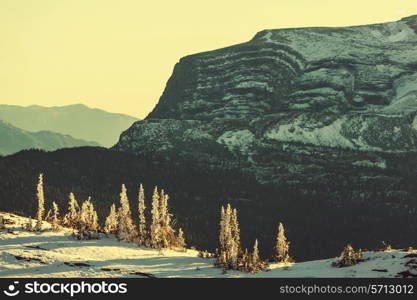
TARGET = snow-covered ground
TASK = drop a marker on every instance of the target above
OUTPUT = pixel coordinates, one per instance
(58, 254)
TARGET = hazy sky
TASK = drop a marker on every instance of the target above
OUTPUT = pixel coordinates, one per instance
(118, 54)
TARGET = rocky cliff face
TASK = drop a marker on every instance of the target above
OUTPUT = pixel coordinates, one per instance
(352, 88)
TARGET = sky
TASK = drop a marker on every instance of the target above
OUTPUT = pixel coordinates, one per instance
(117, 55)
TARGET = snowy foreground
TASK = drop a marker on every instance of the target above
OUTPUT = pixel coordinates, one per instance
(58, 254)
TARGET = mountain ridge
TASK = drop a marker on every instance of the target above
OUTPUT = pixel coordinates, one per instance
(303, 85)
(13, 139)
(77, 120)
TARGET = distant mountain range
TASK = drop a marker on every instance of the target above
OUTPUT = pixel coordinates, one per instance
(13, 139)
(78, 121)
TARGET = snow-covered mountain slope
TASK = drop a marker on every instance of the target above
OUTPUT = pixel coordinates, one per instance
(58, 254)
(349, 87)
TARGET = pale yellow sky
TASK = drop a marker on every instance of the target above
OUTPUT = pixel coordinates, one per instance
(118, 54)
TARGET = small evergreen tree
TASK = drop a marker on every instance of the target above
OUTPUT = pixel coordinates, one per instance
(256, 264)
(235, 231)
(82, 232)
(282, 246)
(72, 218)
(88, 216)
(142, 232)
(246, 258)
(126, 230)
(180, 241)
(222, 238)
(41, 204)
(231, 247)
(230, 253)
(122, 231)
(255, 254)
(110, 225)
(163, 207)
(87, 225)
(155, 239)
(167, 233)
(55, 217)
(348, 257)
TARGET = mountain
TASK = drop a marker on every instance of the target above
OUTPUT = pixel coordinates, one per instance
(300, 126)
(57, 254)
(349, 87)
(77, 120)
(326, 116)
(13, 139)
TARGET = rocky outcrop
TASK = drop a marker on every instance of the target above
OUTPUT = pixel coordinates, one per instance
(353, 88)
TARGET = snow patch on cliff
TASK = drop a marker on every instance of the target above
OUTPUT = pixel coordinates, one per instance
(323, 136)
(381, 163)
(240, 140)
(414, 124)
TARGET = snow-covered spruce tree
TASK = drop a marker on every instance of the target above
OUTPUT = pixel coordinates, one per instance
(41, 204)
(235, 231)
(89, 215)
(227, 239)
(81, 227)
(255, 254)
(222, 255)
(122, 231)
(246, 258)
(55, 217)
(110, 225)
(87, 225)
(282, 246)
(221, 251)
(168, 237)
(163, 214)
(71, 219)
(82, 232)
(142, 232)
(155, 232)
(229, 251)
(229, 254)
(256, 264)
(231, 247)
(126, 230)
(348, 257)
(180, 240)
(163, 206)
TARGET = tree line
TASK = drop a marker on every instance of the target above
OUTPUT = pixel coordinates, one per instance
(160, 233)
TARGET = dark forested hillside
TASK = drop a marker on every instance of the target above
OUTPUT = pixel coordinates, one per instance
(344, 204)
(13, 139)
(78, 121)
